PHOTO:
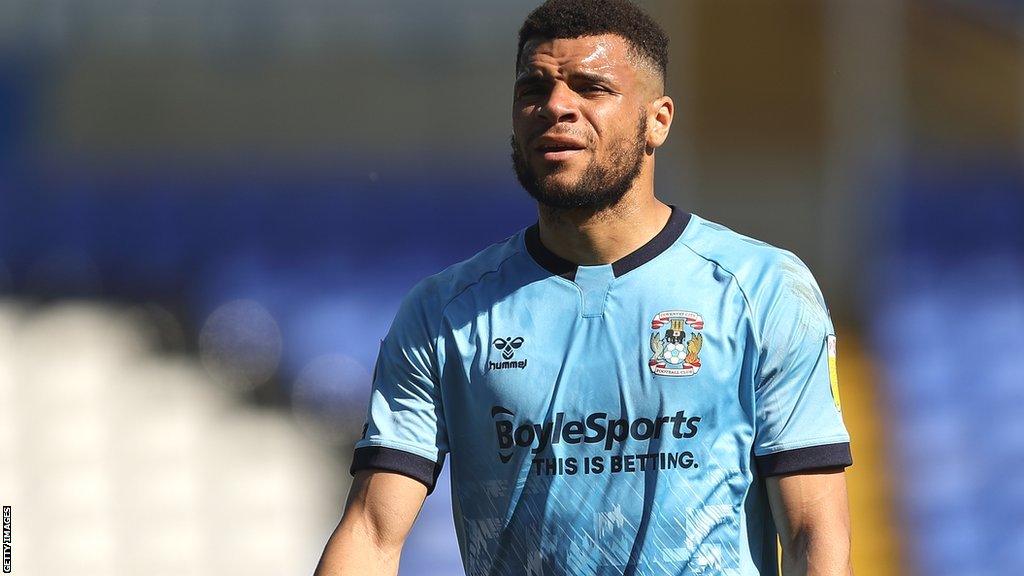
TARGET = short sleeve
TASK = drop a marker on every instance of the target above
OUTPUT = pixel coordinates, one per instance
(798, 415)
(405, 430)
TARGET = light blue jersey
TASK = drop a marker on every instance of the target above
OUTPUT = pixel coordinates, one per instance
(612, 419)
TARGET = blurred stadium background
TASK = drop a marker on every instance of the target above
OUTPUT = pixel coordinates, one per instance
(210, 210)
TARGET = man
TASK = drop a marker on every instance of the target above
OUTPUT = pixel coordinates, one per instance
(622, 388)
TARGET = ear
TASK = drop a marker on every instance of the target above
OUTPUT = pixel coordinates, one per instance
(659, 121)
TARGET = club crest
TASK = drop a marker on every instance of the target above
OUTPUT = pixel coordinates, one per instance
(676, 343)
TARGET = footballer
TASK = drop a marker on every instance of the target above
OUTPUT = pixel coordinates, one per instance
(622, 387)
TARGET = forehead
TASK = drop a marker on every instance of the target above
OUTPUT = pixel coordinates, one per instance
(606, 53)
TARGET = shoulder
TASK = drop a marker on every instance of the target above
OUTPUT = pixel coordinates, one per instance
(433, 293)
(763, 272)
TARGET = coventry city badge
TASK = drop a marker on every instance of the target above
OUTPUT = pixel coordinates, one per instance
(676, 353)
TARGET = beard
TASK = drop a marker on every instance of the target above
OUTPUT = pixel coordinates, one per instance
(598, 187)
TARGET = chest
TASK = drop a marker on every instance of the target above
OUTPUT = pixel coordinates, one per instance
(627, 353)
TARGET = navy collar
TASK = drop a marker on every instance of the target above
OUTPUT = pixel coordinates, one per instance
(559, 266)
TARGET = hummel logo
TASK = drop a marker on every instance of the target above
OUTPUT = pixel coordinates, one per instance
(508, 347)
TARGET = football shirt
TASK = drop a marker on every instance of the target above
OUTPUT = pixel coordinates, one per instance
(611, 419)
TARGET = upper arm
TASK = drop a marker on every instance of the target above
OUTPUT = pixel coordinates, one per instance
(801, 443)
(812, 517)
(809, 501)
(396, 462)
(383, 506)
(381, 509)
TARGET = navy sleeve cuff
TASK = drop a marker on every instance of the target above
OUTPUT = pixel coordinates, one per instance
(803, 459)
(392, 460)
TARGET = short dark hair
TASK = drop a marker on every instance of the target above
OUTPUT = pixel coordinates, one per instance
(575, 18)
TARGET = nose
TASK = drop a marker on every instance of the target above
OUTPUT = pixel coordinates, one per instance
(560, 105)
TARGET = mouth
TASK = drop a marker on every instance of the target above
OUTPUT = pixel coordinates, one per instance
(558, 150)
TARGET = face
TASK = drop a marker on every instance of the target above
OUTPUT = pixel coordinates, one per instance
(580, 121)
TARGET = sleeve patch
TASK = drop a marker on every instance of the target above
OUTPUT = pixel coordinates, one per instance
(833, 373)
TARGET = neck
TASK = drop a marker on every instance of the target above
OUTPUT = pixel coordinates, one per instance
(591, 237)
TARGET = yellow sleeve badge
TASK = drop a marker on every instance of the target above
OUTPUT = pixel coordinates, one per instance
(833, 373)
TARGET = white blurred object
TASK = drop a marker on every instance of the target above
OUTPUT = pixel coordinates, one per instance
(118, 460)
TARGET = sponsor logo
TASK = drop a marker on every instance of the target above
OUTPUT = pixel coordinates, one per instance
(508, 347)
(676, 352)
(597, 428)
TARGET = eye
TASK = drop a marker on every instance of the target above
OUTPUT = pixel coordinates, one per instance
(529, 91)
(517, 342)
(500, 343)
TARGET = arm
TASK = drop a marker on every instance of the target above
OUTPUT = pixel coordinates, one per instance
(380, 511)
(813, 520)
